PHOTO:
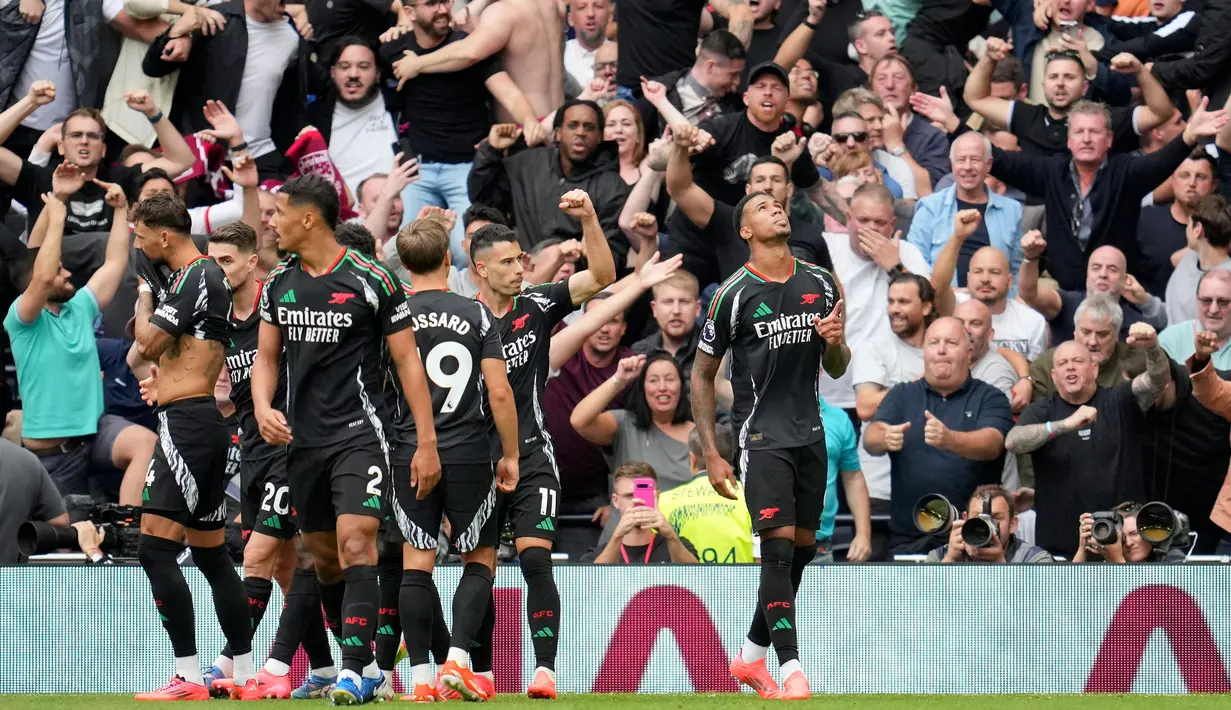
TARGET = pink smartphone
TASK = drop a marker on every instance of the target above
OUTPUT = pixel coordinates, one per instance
(644, 491)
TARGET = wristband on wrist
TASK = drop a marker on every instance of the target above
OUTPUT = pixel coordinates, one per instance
(155, 118)
(144, 288)
(810, 25)
(237, 148)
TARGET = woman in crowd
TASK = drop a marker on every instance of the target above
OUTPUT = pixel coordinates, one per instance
(655, 425)
(623, 125)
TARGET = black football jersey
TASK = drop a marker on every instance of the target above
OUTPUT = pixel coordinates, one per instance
(453, 334)
(196, 302)
(525, 332)
(241, 352)
(333, 326)
(775, 352)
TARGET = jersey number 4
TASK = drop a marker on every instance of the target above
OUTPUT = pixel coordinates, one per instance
(455, 382)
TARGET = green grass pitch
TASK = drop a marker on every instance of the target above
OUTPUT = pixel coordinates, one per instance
(701, 702)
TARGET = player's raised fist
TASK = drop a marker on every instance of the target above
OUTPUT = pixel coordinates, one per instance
(576, 203)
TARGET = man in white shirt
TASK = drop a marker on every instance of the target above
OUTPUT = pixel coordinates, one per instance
(588, 19)
(249, 65)
(361, 132)
(889, 358)
(864, 260)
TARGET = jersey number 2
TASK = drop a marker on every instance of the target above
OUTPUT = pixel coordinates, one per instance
(454, 382)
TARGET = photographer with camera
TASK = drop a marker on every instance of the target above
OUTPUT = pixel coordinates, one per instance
(26, 493)
(1122, 535)
(985, 533)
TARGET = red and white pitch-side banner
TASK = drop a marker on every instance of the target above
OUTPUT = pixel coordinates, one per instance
(882, 629)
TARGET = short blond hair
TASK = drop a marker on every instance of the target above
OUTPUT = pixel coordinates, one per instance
(423, 244)
(684, 281)
(850, 100)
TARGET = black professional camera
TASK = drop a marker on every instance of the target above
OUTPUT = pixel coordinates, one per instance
(1107, 527)
(1163, 527)
(934, 515)
(121, 526)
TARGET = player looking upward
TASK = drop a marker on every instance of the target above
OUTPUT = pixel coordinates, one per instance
(769, 314)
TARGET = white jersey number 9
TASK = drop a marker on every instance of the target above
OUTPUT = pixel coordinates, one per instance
(454, 382)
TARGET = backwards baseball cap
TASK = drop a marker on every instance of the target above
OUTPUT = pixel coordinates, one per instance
(769, 68)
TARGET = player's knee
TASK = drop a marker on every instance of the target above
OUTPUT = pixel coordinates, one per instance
(212, 560)
(260, 555)
(777, 552)
(154, 552)
(479, 570)
(535, 564)
(356, 550)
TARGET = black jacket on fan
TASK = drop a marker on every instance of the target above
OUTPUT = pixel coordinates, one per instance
(531, 182)
(214, 70)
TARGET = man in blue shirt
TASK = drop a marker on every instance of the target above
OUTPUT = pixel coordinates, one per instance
(51, 328)
(1000, 223)
(1213, 314)
(944, 433)
(842, 457)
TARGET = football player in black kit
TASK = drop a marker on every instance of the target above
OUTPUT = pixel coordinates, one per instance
(185, 488)
(781, 319)
(464, 361)
(331, 307)
(271, 548)
(525, 320)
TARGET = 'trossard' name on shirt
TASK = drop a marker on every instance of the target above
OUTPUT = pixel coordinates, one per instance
(309, 326)
(786, 329)
(441, 320)
(517, 352)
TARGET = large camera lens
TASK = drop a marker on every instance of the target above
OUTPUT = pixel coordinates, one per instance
(978, 532)
(934, 514)
(1104, 532)
(1156, 523)
(37, 538)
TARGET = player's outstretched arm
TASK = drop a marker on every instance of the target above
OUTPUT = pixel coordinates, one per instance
(601, 271)
(425, 467)
(270, 421)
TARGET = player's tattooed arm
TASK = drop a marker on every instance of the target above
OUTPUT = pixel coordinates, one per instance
(152, 341)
